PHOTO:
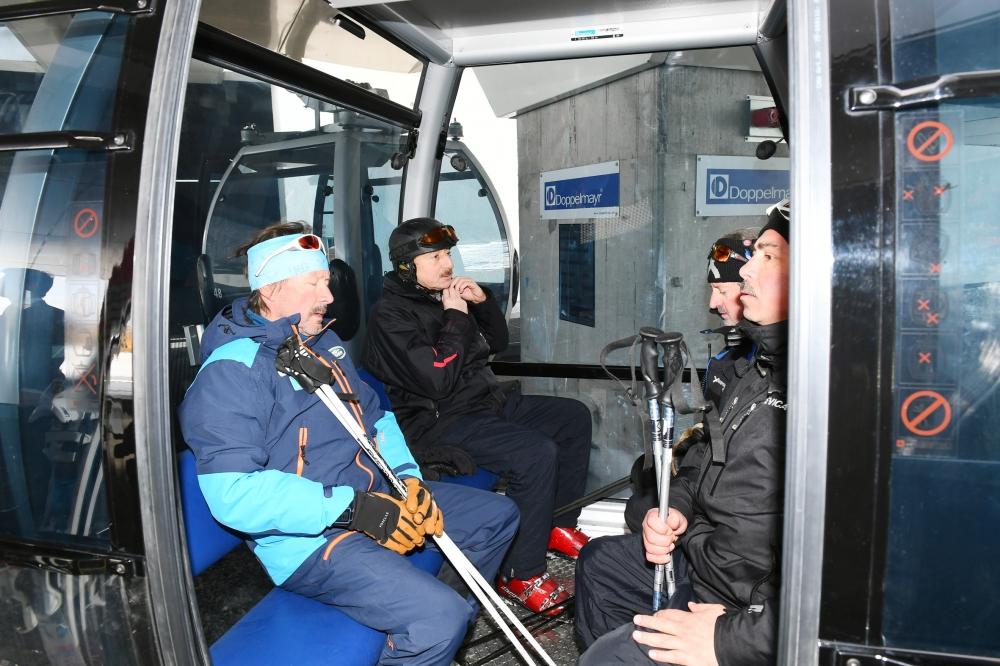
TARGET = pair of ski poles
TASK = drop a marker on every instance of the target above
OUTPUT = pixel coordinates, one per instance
(659, 404)
(300, 363)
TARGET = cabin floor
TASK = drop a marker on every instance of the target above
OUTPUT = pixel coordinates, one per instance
(234, 584)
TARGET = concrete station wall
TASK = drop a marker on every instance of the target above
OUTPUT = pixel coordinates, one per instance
(651, 261)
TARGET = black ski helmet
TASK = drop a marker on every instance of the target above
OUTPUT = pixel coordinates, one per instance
(415, 237)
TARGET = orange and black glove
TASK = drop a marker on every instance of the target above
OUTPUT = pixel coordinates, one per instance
(421, 505)
(386, 520)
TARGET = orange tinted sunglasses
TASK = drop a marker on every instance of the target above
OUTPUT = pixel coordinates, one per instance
(725, 253)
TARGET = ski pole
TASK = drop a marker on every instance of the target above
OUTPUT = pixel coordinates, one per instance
(470, 575)
(670, 343)
(649, 355)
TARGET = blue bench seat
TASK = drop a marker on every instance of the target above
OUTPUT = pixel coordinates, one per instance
(283, 628)
(286, 628)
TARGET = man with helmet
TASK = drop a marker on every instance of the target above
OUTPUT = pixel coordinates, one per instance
(430, 337)
(725, 512)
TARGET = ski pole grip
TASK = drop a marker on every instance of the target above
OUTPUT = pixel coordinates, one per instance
(649, 354)
(671, 342)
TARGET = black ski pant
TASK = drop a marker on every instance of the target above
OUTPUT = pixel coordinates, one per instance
(614, 583)
(541, 445)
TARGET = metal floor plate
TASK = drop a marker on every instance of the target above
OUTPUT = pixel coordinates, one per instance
(487, 646)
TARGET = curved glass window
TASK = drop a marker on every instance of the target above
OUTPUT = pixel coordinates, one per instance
(55, 73)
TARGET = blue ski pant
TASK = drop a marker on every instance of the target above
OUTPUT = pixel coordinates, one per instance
(425, 620)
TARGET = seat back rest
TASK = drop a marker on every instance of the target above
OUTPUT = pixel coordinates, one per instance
(207, 539)
(346, 306)
(378, 387)
(210, 304)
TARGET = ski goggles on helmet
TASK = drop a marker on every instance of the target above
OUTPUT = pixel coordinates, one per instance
(283, 257)
(722, 253)
(438, 235)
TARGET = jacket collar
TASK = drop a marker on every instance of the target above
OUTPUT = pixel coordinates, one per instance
(393, 285)
(770, 347)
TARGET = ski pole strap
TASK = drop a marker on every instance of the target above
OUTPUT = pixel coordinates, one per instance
(698, 403)
(631, 393)
(630, 342)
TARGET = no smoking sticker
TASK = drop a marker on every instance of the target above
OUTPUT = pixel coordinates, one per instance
(930, 141)
(86, 223)
(925, 413)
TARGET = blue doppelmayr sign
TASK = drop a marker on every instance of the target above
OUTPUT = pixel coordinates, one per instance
(736, 187)
(580, 192)
(730, 185)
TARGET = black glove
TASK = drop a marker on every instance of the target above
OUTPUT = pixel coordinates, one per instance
(386, 520)
(437, 460)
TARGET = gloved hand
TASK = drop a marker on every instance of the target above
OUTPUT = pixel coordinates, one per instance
(386, 520)
(437, 460)
(421, 505)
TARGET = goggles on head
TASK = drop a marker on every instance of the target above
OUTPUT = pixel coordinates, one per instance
(722, 252)
(304, 242)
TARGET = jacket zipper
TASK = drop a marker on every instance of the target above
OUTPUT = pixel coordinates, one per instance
(757, 608)
(732, 426)
(303, 443)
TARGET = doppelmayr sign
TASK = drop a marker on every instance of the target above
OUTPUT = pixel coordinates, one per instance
(580, 192)
(729, 185)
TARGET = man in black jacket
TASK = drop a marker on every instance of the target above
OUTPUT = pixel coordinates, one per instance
(430, 337)
(725, 259)
(725, 509)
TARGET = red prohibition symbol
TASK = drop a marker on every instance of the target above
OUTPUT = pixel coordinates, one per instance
(86, 223)
(930, 141)
(932, 404)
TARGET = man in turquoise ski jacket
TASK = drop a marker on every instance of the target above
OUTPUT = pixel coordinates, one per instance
(275, 464)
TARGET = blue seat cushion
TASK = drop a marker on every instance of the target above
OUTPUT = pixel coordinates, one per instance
(207, 539)
(482, 479)
(286, 628)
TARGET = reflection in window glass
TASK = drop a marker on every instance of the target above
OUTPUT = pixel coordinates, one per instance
(52, 287)
(465, 202)
(311, 32)
(940, 578)
(382, 196)
(254, 154)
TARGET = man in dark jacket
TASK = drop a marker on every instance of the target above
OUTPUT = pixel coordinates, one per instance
(725, 259)
(430, 337)
(276, 465)
(725, 509)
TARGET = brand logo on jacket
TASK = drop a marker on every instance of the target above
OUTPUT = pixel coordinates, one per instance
(774, 402)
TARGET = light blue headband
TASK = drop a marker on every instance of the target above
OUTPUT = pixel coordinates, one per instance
(280, 258)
